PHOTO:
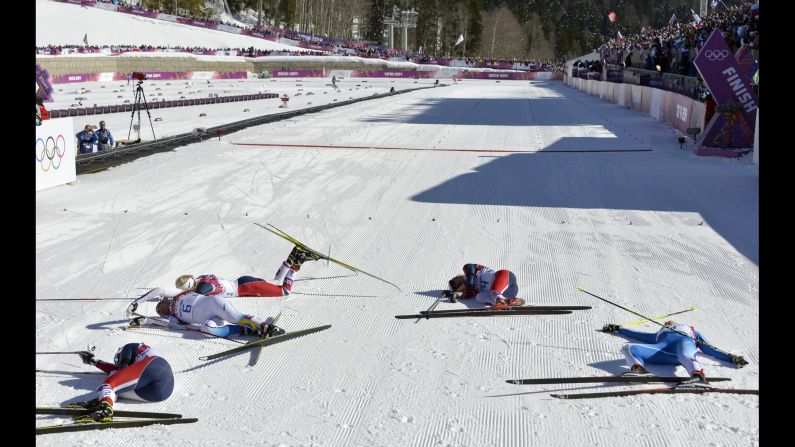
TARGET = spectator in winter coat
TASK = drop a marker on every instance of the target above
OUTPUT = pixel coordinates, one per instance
(86, 140)
(105, 140)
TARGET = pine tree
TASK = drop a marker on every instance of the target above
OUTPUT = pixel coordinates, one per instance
(375, 22)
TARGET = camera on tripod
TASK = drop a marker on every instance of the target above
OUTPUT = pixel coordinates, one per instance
(140, 103)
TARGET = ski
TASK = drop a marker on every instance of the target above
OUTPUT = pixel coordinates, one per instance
(266, 342)
(606, 379)
(267, 335)
(654, 391)
(482, 313)
(113, 424)
(132, 307)
(295, 241)
(120, 413)
(156, 323)
(517, 309)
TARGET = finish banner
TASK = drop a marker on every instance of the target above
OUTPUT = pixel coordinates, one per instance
(732, 126)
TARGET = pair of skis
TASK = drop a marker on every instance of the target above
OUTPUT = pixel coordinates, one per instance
(620, 379)
(146, 418)
(300, 244)
(491, 311)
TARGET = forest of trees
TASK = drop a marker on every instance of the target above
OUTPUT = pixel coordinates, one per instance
(540, 29)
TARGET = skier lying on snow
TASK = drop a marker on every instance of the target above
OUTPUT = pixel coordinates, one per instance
(203, 301)
(210, 285)
(667, 347)
(138, 372)
(497, 288)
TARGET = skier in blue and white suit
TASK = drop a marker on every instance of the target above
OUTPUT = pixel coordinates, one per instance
(668, 347)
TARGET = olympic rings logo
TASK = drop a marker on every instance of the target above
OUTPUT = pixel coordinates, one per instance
(716, 55)
(50, 152)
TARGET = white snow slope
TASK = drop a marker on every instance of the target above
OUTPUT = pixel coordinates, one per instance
(66, 24)
(655, 231)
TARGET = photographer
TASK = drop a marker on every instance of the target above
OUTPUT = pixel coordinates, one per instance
(86, 140)
(105, 140)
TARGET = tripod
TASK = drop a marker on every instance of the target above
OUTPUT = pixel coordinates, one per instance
(140, 98)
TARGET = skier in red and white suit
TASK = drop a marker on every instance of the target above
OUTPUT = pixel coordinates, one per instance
(138, 372)
(494, 287)
(211, 285)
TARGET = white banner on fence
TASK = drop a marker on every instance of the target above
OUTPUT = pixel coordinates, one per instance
(108, 6)
(55, 153)
(106, 77)
(656, 104)
(168, 17)
(202, 75)
(229, 29)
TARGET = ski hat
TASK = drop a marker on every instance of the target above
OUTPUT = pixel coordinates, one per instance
(125, 356)
(185, 282)
(164, 307)
(457, 284)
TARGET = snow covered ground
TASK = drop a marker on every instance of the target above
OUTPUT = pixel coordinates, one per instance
(65, 24)
(303, 93)
(656, 231)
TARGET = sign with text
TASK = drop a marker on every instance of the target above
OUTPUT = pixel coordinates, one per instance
(727, 83)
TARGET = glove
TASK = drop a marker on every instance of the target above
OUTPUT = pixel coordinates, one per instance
(610, 328)
(738, 360)
(138, 321)
(87, 358)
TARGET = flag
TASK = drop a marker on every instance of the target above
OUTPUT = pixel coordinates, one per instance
(643, 30)
(612, 16)
(619, 35)
(420, 51)
(460, 39)
(714, 3)
(85, 39)
(695, 16)
(673, 19)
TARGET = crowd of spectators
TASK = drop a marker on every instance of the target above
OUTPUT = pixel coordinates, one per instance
(119, 49)
(671, 49)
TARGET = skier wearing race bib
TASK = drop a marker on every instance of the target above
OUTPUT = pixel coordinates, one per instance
(210, 313)
(497, 288)
(138, 372)
(669, 347)
(211, 285)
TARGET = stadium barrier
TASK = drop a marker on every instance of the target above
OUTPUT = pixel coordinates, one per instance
(677, 110)
(60, 113)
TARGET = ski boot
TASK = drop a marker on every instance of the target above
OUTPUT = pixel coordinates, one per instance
(103, 414)
(299, 255)
(697, 380)
(637, 371)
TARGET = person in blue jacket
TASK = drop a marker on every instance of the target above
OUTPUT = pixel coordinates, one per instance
(86, 139)
(675, 344)
(105, 141)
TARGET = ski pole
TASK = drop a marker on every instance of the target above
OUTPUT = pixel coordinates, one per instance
(90, 350)
(436, 303)
(659, 317)
(84, 299)
(655, 322)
